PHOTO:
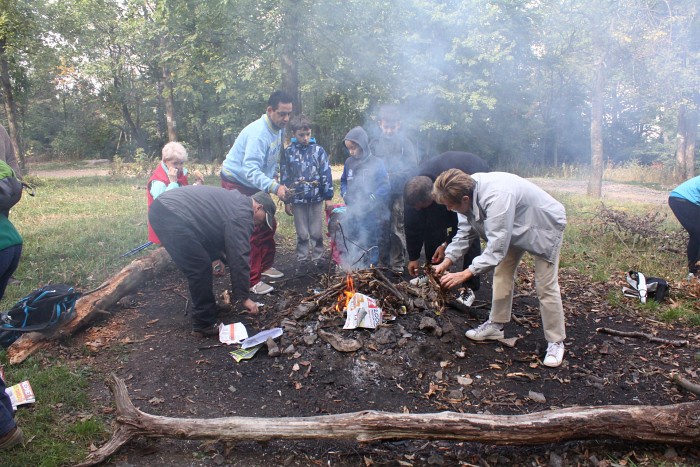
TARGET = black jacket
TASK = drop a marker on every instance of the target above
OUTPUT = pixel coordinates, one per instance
(436, 216)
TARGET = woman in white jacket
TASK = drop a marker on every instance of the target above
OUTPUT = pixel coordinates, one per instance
(514, 216)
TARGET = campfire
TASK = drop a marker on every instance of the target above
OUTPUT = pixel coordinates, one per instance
(394, 298)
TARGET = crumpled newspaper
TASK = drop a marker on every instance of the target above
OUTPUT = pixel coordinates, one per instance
(363, 312)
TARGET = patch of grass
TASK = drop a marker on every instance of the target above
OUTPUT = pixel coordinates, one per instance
(694, 319)
(74, 231)
(614, 297)
(58, 427)
(671, 314)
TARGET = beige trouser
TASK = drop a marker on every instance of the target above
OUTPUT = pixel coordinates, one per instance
(548, 293)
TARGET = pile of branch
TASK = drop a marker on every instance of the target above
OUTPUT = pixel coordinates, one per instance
(673, 424)
(393, 298)
(646, 228)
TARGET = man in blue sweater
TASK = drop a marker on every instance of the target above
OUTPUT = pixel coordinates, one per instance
(251, 166)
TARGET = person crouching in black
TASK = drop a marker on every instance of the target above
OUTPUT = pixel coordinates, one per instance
(195, 224)
(431, 226)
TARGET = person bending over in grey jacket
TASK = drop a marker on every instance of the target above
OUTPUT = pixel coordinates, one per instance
(514, 216)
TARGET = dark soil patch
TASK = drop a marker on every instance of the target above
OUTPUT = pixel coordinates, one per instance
(168, 372)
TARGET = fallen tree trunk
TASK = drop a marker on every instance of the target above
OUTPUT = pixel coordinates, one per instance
(88, 307)
(675, 424)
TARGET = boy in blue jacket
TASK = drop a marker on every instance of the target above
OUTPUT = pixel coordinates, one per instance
(305, 169)
(365, 188)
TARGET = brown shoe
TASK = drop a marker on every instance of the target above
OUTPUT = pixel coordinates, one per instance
(209, 331)
(13, 438)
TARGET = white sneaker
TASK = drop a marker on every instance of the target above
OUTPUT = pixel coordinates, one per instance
(420, 280)
(273, 273)
(261, 288)
(486, 331)
(466, 297)
(555, 354)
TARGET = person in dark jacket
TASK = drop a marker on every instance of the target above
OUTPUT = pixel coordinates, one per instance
(429, 225)
(364, 185)
(10, 252)
(196, 224)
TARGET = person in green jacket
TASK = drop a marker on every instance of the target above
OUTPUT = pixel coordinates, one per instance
(10, 251)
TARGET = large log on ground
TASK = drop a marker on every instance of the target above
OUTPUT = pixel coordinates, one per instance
(88, 307)
(674, 424)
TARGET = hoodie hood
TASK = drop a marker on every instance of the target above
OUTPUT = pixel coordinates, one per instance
(359, 136)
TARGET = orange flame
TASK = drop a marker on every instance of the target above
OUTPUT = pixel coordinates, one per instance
(345, 295)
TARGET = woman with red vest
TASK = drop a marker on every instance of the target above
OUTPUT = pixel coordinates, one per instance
(169, 174)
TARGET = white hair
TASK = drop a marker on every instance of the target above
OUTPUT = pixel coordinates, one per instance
(174, 151)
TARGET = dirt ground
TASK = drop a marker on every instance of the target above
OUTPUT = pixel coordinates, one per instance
(402, 368)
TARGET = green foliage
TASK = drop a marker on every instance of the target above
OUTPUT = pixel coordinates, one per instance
(510, 81)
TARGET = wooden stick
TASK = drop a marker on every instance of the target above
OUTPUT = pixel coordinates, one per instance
(674, 424)
(649, 337)
(685, 384)
(391, 286)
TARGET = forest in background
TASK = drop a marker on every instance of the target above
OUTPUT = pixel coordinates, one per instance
(524, 84)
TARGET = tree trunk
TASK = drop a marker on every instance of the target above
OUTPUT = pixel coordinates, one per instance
(681, 135)
(595, 183)
(167, 86)
(288, 57)
(135, 132)
(691, 134)
(11, 110)
(92, 305)
(674, 424)
(169, 105)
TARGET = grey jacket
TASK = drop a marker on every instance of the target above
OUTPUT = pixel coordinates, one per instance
(508, 210)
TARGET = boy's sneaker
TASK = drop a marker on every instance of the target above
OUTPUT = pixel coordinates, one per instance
(12, 438)
(555, 354)
(420, 280)
(486, 331)
(261, 288)
(209, 331)
(273, 273)
(466, 297)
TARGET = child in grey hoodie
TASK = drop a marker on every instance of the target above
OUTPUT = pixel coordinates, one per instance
(365, 188)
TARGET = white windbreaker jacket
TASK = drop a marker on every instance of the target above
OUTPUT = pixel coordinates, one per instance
(508, 210)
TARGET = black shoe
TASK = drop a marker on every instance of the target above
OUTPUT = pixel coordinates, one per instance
(209, 331)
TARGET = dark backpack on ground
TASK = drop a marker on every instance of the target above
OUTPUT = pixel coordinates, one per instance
(42, 309)
(643, 287)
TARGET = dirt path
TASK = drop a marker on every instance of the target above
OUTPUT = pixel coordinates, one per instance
(611, 190)
(69, 173)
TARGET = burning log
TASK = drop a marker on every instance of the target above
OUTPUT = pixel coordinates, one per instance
(674, 424)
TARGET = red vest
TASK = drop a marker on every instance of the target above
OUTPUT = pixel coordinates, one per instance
(160, 175)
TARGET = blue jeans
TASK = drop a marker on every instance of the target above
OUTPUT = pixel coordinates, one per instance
(9, 260)
(7, 421)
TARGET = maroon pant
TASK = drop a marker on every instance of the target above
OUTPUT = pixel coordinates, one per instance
(262, 242)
